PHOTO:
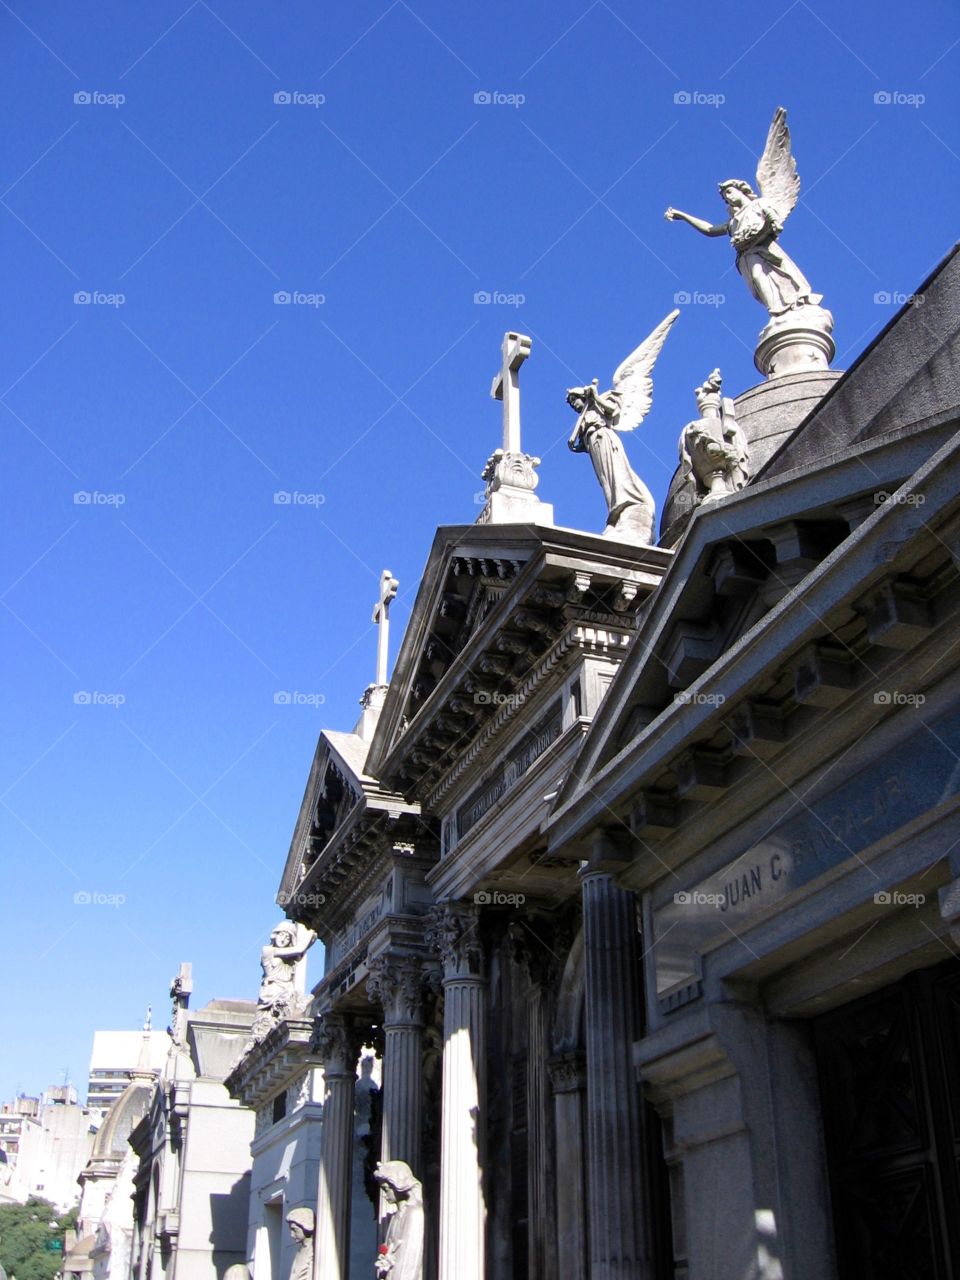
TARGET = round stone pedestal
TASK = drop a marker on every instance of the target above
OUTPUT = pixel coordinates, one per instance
(798, 341)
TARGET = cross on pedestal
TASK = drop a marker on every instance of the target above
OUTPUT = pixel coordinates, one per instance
(381, 616)
(506, 387)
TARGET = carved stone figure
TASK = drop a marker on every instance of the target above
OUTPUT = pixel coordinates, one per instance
(401, 1255)
(713, 449)
(602, 416)
(790, 342)
(279, 996)
(302, 1224)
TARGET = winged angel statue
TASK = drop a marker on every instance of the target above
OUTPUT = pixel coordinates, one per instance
(602, 417)
(756, 221)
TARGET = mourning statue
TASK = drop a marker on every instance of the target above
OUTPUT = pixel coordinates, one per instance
(714, 453)
(756, 221)
(603, 416)
(400, 1257)
(301, 1223)
(279, 996)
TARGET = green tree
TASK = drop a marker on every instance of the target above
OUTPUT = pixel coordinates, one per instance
(28, 1243)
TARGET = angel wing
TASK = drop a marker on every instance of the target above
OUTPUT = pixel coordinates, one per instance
(777, 171)
(633, 381)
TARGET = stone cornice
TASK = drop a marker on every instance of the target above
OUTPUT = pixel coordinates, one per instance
(273, 1063)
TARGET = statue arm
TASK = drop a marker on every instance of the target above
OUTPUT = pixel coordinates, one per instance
(699, 224)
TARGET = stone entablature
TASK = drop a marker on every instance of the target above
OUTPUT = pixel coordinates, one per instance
(275, 1063)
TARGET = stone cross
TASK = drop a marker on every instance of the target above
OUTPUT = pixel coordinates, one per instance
(506, 387)
(381, 616)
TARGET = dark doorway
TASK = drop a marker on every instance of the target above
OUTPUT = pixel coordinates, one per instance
(890, 1088)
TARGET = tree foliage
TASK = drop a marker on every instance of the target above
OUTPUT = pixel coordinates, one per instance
(26, 1236)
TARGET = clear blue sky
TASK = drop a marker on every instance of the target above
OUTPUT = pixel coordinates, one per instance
(197, 397)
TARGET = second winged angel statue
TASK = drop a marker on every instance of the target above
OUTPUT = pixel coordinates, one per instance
(602, 416)
(756, 221)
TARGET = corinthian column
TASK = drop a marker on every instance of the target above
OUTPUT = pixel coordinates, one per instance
(615, 1155)
(337, 1045)
(462, 1208)
(395, 984)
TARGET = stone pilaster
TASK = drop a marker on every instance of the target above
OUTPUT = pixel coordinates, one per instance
(454, 933)
(618, 1231)
(568, 1079)
(395, 984)
(337, 1044)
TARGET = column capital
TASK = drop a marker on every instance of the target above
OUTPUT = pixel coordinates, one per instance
(396, 984)
(454, 932)
(568, 1071)
(337, 1041)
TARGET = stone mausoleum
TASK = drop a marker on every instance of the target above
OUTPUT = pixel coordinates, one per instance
(640, 875)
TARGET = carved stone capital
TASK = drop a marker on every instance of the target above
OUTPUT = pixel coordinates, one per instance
(337, 1042)
(454, 933)
(568, 1072)
(396, 984)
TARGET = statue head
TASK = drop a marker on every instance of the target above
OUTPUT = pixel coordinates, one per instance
(397, 1182)
(284, 935)
(301, 1223)
(736, 192)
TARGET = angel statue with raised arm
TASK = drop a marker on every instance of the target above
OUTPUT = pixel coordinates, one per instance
(602, 417)
(756, 221)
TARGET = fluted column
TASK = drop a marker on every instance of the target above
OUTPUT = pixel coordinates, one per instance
(568, 1080)
(396, 985)
(338, 1046)
(462, 1207)
(615, 1156)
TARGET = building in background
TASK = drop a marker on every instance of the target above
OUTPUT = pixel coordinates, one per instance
(45, 1142)
(113, 1059)
(191, 1170)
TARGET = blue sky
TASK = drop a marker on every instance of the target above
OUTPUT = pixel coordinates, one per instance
(147, 164)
